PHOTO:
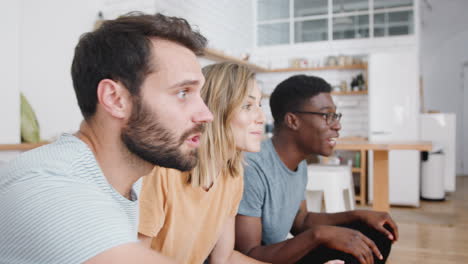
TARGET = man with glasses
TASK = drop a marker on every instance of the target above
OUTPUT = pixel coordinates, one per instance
(274, 203)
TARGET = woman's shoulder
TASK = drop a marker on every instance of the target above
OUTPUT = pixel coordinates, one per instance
(165, 176)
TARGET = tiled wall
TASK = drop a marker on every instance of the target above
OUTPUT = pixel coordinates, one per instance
(228, 25)
(114, 8)
(355, 110)
(353, 107)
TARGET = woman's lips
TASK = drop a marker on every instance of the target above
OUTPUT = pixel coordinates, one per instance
(257, 133)
(332, 142)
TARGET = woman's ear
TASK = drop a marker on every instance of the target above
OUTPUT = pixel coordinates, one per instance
(292, 121)
(114, 98)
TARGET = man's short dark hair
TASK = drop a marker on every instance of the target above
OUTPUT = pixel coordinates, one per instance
(121, 50)
(292, 93)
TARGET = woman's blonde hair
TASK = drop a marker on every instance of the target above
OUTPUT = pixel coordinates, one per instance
(226, 87)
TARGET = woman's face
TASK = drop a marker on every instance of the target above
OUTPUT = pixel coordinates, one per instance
(248, 121)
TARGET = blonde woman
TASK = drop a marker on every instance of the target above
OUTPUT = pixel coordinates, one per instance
(190, 216)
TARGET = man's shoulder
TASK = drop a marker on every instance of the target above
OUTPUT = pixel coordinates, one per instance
(67, 156)
(60, 208)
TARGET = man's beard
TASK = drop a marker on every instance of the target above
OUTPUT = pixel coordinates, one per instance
(147, 138)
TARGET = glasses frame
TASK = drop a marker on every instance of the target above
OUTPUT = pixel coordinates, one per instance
(331, 118)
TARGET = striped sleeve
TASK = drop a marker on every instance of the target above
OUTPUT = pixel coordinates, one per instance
(59, 221)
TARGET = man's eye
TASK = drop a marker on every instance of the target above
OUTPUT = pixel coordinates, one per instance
(182, 94)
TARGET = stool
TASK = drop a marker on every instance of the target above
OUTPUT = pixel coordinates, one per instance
(331, 181)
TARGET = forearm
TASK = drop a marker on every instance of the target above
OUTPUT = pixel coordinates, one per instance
(238, 258)
(289, 251)
(334, 219)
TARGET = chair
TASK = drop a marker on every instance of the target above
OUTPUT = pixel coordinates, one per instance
(332, 181)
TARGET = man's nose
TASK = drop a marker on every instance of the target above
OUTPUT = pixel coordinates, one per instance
(203, 114)
(337, 125)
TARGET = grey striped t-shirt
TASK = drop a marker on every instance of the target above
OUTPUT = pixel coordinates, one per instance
(56, 206)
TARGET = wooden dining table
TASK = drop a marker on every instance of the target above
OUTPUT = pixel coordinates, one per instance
(381, 149)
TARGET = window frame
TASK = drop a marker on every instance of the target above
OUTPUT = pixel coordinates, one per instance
(329, 17)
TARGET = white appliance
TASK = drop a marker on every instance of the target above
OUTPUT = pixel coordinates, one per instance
(394, 116)
(440, 128)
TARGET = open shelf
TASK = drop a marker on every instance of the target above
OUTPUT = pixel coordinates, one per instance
(220, 56)
(324, 68)
(350, 93)
(216, 55)
(264, 95)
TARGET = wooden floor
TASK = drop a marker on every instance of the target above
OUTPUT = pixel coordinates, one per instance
(435, 233)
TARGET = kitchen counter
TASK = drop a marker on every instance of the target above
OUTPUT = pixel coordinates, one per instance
(383, 145)
(381, 148)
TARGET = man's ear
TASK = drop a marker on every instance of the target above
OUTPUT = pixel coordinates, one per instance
(114, 98)
(292, 121)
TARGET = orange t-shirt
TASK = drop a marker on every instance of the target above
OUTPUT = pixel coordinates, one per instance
(185, 222)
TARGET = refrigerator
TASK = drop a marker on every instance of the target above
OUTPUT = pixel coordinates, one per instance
(394, 104)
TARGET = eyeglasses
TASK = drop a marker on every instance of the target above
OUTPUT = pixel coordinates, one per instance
(331, 118)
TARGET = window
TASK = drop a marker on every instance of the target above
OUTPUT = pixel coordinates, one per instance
(273, 34)
(350, 27)
(393, 23)
(295, 21)
(311, 30)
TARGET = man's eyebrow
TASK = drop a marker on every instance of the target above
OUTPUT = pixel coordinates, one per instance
(328, 107)
(184, 83)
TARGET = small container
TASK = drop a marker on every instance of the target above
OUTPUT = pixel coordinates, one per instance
(357, 160)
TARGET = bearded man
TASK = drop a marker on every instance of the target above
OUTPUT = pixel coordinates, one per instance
(137, 82)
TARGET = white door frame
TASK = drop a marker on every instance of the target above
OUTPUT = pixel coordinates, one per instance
(464, 117)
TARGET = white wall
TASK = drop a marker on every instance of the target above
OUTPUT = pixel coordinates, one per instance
(444, 49)
(9, 72)
(228, 25)
(48, 31)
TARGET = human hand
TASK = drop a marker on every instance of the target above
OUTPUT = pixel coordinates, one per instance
(379, 221)
(349, 241)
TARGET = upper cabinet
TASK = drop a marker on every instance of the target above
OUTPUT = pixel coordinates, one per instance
(282, 22)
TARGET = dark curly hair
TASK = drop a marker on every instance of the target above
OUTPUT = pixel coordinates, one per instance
(292, 93)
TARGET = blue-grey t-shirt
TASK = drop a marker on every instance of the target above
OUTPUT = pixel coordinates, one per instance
(272, 192)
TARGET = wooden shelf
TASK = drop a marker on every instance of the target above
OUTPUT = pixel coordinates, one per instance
(324, 68)
(350, 93)
(220, 56)
(357, 198)
(356, 170)
(264, 95)
(21, 147)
